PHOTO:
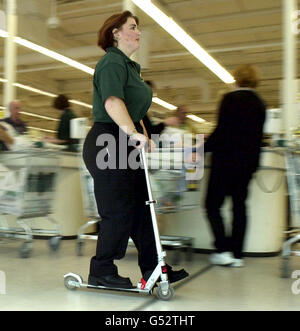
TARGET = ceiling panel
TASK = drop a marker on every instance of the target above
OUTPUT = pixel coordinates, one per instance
(233, 31)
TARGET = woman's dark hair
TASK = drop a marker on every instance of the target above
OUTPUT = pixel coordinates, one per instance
(61, 102)
(150, 83)
(105, 35)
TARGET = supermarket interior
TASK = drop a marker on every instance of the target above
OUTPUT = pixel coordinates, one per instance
(202, 98)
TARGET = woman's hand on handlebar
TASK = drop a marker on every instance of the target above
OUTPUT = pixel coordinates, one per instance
(143, 142)
(138, 137)
(151, 145)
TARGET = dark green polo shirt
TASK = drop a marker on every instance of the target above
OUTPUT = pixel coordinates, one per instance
(63, 130)
(117, 75)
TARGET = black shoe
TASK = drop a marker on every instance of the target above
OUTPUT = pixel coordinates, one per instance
(175, 276)
(114, 281)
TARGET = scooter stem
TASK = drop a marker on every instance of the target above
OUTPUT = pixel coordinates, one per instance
(151, 203)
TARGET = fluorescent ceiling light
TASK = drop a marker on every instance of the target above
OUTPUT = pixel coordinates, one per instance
(184, 39)
(40, 116)
(45, 51)
(196, 118)
(29, 88)
(40, 129)
(81, 103)
(53, 55)
(163, 103)
(3, 34)
(33, 89)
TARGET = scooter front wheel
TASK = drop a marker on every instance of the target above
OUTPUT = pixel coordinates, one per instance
(71, 283)
(167, 296)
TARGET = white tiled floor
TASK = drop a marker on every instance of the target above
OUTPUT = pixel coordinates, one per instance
(36, 283)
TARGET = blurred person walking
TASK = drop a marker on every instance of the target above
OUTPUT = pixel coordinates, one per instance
(14, 119)
(12, 126)
(157, 129)
(63, 136)
(235, 146)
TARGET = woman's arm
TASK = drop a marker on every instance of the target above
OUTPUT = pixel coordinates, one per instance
(151, 143)
(118, 112)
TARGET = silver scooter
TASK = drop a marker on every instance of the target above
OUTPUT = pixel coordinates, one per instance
(164, 290)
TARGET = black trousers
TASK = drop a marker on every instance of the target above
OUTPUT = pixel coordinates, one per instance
(120, 195)
(233, 182)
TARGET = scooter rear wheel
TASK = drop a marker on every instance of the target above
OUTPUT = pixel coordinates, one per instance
(167, 296)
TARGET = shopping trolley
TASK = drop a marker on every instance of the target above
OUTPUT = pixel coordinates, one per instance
(90, 207)
(292, 159)
(27, 184)
(173, 181)
(170, 178)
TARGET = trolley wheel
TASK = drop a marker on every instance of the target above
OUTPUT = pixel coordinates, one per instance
(25, 249)
(189, 253)
(54, 243)
(167, 296)
(79, 248)
(285, 268)
(177, 252)
(71, 282)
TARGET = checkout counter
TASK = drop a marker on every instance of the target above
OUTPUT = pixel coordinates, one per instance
(68, 208)
(68, 203)
(267, 206)
(65, 207)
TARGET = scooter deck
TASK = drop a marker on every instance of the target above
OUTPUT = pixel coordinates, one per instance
(164, 290)
(74, 281)
(133, 289)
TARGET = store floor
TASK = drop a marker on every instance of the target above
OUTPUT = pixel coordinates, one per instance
(37, 283)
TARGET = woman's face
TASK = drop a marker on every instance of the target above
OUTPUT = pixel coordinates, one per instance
(128, 36)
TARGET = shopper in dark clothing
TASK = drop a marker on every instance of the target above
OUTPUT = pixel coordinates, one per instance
(121, 100)
(149, 126)
(63, 135)
(235, 146)
(153, 128)
(157, 129)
